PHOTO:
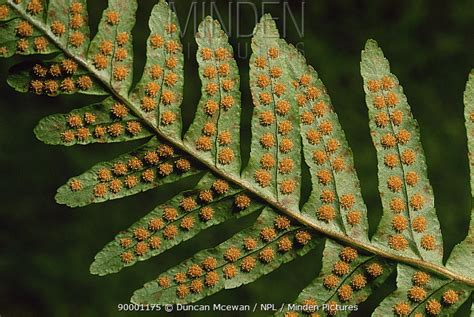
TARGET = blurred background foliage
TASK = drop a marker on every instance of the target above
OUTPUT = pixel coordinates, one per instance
(46, 249)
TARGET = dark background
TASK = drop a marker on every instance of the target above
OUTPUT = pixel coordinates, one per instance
(46, 249)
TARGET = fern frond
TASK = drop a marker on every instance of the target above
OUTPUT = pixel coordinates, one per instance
(275, 164)
(159, 93)
(336, 200)
(145, 168)
(347, 277)
(18, 35)
(179, 219)
(111, 57)
(104, 122)
(419, 293)
(53, 77)
(242, 259)
(216, 124)
(409, 225)
(461, 259)
(74, 17)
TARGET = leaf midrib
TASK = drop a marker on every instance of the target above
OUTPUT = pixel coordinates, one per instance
(405, 190)
(301, 218)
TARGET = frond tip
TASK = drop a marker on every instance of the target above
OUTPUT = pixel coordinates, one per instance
(336, 200)
(113, 59)
(105, 122)
(409, 224)
(274, 166)
(57, 76)
(461, 259)
(145, 168)
(159, 93)
(217, 120)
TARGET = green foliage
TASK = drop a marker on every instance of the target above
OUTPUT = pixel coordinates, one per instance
(52, 77)
(159, 93)
(327, 153)
(460, 259)
(240, 260)
(106, 47)
(346, 278)
(419, 293)
(180, 219)
(217, 120)
(275, 129)
(92, 124)
(407, 197)
(292, 115)
(151, 165)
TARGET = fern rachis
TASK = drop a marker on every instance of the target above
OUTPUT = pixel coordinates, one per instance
(285, 119)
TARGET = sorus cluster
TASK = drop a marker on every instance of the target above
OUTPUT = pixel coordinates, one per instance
(238, 257)
(59, 78)
(347, 278)
(4, 12)
(274, 125)
(319, 125)
(73, 28)
(169, 221)
(139, 169)
(418, 296)
(161, 87)
(219, 89)
(26, 41)
(405, 191)
(85, 126)
(112, 54)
